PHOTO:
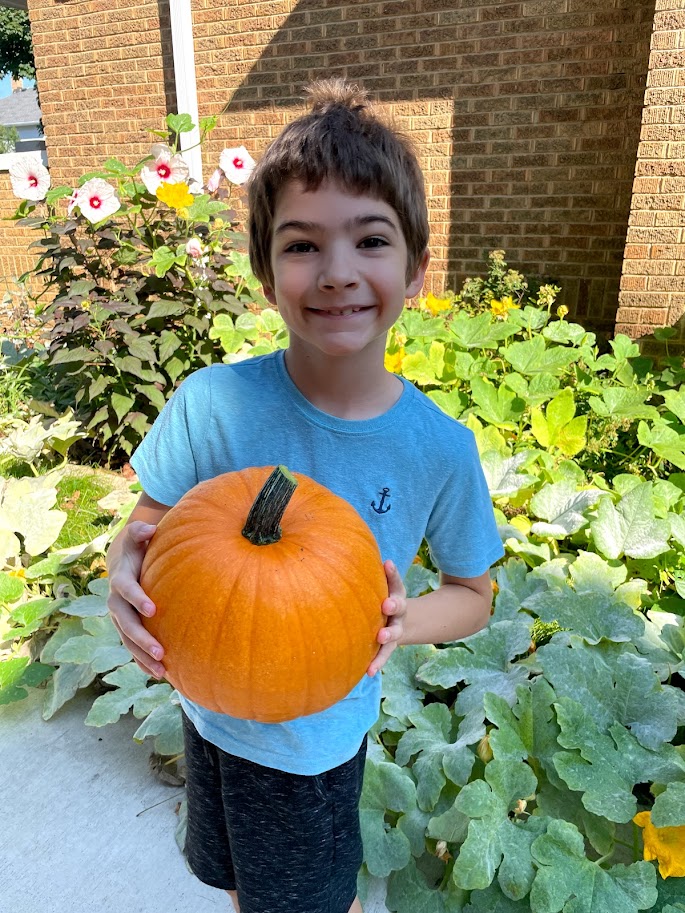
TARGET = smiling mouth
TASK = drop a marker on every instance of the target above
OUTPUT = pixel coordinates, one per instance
(339, 312)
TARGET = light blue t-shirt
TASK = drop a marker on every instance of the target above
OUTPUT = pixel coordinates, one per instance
(411, 473)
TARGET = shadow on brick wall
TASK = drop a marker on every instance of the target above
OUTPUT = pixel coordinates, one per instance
(545, 123)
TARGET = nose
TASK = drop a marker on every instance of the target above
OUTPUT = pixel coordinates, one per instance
(338, 271)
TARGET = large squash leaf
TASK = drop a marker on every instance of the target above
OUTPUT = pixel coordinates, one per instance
(567, 881)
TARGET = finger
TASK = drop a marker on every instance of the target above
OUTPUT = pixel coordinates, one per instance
(136, 638)
(141, 532)
(395, 582)
(131, 593)
(381, 658)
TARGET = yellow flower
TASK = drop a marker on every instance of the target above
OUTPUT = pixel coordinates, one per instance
(393, 362)
(666, 844)
(562, 311)
(19, 572)
(176, 196)
(436, 305)
(501, 308)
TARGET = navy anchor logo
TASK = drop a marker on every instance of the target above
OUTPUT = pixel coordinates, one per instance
(381, 509)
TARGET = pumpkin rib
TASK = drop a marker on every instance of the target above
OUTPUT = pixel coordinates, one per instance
(225, 631)
(349, 640)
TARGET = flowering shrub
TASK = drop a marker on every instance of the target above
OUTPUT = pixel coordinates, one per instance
(136, 261)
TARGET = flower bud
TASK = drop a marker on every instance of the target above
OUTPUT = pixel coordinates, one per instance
(484, 751)
(194, 248)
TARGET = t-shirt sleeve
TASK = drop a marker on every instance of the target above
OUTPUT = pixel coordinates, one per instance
(165, 460)
(462, 533)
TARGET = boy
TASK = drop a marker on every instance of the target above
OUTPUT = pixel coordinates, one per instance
(338, 235)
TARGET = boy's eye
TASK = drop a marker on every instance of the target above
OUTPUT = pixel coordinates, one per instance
(299, 247)
(373, 242)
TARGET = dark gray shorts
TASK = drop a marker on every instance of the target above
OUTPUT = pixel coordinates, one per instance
(287, 843)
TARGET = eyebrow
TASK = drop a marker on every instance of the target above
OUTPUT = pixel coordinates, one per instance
(298, 225)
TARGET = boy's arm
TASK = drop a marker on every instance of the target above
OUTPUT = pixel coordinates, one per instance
(127, 601)
(459, 607)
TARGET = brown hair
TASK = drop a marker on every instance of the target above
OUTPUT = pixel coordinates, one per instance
(343, 140)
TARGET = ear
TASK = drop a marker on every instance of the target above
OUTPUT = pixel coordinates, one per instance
(270, 295)
(416, 283)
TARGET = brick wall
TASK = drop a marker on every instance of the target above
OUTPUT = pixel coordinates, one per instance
(100, 74)
(526, 115)
(653, 281)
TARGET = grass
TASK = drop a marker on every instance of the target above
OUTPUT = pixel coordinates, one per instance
(78, 496)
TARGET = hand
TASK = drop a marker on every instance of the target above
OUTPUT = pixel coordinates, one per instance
(127, 601)
(395, 607)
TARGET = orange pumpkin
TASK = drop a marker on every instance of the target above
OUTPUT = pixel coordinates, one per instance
(268, 590)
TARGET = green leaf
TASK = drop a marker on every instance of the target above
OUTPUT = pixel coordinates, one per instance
(605, 767)
(11, 588)
(180, 123)
(66, 356)
(492, 900)
(58, 193)
(122, 405)
(27, 509)
(560, 802)
(613, 687)
(594, 616)
(143, 349)
(452, 403)
(130, 365)
(494, 841)
(401, 692)
(479, 332)
(132, 692)
(155, 396)
(203, 208)
(438, 755)
(674, 400)
(558, 427)
(409, 892)
(533, 357)
(514, 584)
(100, 647)
(669, 806)
(526, 730)
(163, 723)
(165, 309)
(624, 347)
(563, 507)
(665, 441)
(496, 404)
(566, 880)
(417, 368)
(168, 343)
(484, 661)
(29, 616)
(386, 786)
(162, 260)
(502, 473)
(622, 403)
(17, 674)
(631, 529)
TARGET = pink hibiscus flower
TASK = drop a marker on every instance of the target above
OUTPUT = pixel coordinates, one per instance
(166, 168)
(29, 177)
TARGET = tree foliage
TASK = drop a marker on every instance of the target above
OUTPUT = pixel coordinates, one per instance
(16, 47)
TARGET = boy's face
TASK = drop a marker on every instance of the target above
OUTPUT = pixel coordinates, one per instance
(339, 264)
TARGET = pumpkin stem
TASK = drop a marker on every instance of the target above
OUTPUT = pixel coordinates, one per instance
(262, 526)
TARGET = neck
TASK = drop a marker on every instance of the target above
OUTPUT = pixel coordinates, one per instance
(351, 387)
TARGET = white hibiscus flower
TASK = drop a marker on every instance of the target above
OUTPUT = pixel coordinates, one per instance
(97, 200)
(237, 164)
(29, 177)
(166, 168)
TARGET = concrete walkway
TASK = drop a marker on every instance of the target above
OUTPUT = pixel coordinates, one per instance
(85, 827)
